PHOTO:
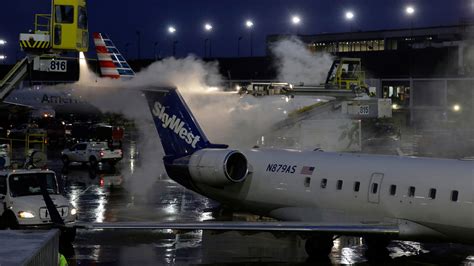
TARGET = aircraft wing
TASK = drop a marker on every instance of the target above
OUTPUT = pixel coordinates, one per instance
(18, 104)
(297, 227)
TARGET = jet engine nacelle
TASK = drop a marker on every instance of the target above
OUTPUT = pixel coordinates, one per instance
(218, 167)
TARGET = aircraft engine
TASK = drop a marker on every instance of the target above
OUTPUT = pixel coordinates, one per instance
(218, 167)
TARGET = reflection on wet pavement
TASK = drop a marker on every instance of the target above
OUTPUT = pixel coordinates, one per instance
(103, 196)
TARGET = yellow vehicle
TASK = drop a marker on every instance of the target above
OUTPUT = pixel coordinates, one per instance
(346, 73)
(65, 29)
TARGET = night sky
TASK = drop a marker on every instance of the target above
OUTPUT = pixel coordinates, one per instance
(122, 19)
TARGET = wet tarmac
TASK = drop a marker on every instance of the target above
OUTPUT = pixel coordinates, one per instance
(104, 195)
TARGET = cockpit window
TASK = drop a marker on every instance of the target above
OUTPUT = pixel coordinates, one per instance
(29, 184)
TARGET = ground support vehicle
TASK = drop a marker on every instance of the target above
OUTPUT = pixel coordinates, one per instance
(92, 153)
(23, 205)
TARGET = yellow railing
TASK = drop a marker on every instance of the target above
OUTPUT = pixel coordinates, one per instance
(355, 77)
(32, 139)
(29, 141)
(42, 23)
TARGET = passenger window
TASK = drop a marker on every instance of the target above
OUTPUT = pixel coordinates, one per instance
(432, 193)
(356, 186)
(307, 181)
(393, 190)
(375, 188)
(324, 183)
(454, 195)
(411, 192)
(339, 184)
(81, 147)
(64, 14)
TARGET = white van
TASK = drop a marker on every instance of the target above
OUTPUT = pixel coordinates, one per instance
(22, 204)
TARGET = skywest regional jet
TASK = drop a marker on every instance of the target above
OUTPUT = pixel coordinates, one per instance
(316, 194)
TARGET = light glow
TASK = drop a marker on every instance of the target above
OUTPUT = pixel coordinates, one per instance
(249, 24)
(171, 29)
(3, 42)
(296, 20)
(73, 211)
(26, 215)
(3, 57)
(456, 108)
(212, 89)
(207, 27)
(349, 15)
(410, 10)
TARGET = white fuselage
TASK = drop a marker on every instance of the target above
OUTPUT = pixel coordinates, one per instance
(421, 191)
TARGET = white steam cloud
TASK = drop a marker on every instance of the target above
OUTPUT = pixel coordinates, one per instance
(225, 117)
(297, 64)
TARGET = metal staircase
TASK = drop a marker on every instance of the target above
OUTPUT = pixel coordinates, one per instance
(14, 76)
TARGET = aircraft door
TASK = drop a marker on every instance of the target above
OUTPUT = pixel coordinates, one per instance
(375, 187)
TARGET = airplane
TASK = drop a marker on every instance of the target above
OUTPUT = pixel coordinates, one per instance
(46, 101)
(316, 194)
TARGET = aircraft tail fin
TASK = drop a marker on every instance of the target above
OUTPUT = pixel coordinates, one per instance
(112, 63)
(179, 131)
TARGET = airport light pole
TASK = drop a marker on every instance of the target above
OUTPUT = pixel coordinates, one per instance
(410, 12)
(139, 56)
(350, 18)
(208, 29)
(238, 45)
(249, 24)
(2, 56)
(172, 32)
(126, 49)
(155, 45)
(296, 21)
(204, 51)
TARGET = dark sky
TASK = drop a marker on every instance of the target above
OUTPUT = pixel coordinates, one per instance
(121, 19)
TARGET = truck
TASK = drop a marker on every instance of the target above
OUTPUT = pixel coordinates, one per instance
(80, 132)
(92, 153)
(22, 204)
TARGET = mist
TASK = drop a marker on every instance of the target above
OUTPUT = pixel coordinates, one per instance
(225, 117)
(297, 64)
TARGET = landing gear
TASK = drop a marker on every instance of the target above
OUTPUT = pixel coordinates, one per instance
(376, 248)
(319, 246)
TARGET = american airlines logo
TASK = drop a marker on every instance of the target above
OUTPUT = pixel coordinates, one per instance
(175, 124)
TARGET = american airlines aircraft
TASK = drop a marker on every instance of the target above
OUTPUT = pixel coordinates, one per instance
(47, 101)
(319, 195)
